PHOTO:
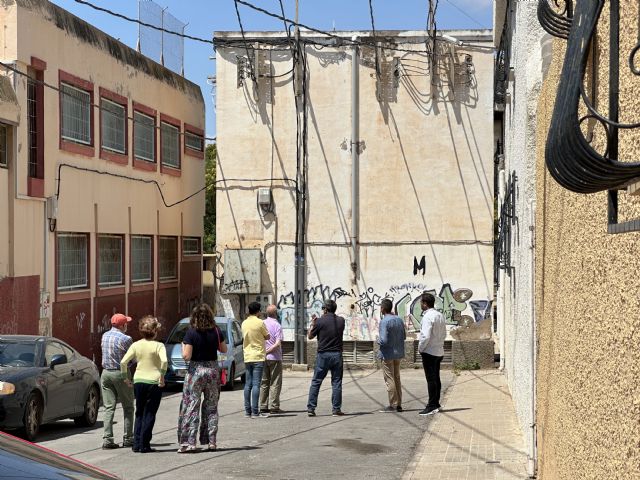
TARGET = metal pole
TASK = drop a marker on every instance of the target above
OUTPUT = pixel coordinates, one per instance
(614, 91)
(355, 156)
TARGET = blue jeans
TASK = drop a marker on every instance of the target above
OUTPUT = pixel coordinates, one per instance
(325, 362)
(253, 377)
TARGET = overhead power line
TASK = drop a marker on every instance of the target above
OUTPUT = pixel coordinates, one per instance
(465, 13)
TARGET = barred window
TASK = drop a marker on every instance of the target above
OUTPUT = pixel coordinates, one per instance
(144, 146)
(76, 114)
(72, 261)
(110, 255)
(190, 246)
(170, 145)
(141, 259)
(113, 126)
(168, 258)
(193, 141)
(3, 144)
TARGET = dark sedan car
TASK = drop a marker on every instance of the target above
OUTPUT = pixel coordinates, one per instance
(20, 459)
(42, 379)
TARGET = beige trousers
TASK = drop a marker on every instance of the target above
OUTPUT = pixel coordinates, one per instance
(270, 385)
(391, 373)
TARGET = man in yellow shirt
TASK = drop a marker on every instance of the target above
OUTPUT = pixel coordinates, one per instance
(254, 334)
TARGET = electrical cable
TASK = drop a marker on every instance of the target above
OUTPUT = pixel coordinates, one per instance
(249, 59)
(465, 13)
(375, 46)
(133, 20)
(94, 105)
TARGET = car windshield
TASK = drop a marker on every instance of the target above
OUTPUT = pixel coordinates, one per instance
(177, 335)
(17, 354)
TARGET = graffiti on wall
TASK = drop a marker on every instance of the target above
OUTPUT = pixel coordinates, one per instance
(362, 311)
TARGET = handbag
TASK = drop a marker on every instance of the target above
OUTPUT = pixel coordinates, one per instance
(223, 371)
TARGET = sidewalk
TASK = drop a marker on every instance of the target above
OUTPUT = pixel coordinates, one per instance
(476, 436)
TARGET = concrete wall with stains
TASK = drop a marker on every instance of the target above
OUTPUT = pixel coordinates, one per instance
(426, 178)
(91, 203)
(588, 393)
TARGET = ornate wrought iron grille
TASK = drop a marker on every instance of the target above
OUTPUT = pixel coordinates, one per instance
(506, 220)
(501, 73)
(556, 21)
(571, 158)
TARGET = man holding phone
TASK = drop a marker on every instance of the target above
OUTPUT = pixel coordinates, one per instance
(329, 329)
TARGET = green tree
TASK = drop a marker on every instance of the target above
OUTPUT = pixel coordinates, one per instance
(210, 203)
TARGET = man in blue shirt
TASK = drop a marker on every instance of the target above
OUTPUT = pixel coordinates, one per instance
(391, 340)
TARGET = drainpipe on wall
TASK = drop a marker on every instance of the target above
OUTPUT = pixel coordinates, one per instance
(501, 295)
(355, 151)
(533, 454)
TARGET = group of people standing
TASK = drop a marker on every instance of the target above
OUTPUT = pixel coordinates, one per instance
(262, 346)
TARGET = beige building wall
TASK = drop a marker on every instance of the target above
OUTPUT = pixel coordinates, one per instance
(89, 202)
(588, 392)
(425, 178)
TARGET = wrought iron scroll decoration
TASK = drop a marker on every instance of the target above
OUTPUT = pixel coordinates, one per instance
(506, 220)
(502, 63)
(570, 158)
(556, 23)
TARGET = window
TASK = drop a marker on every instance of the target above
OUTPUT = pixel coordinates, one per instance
(144, 137)
(141, 259)
(73, 261)
(191, 246)
(110, 263)
(113, 126)
(32, 120)
(193, 141)
(168, 258)
(53, 348)
(4, 129)
(76, 114)
(170, 145)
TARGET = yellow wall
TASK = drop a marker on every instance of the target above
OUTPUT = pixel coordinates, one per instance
(588, 387)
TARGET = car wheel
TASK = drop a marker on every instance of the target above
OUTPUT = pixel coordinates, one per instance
(32, 417)
(231, 379)
(91, 405)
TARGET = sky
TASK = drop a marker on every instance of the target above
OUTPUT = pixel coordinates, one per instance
(203, 17)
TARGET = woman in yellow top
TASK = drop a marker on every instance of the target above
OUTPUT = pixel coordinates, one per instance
(151, 358)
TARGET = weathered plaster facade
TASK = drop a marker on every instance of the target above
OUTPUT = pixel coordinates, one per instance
(425, 179)
(587, 305)
(41, 36)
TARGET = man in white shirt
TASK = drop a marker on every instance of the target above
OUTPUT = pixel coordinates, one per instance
(431, 347)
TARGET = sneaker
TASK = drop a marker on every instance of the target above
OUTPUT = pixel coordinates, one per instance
(247, 415)
(275, 411)
(429, 411)
(311, 413)
(399, 409)
(128, 444)
(262, 415)
(110, 446)
(265, 410)
(337, 413)
(388, 410)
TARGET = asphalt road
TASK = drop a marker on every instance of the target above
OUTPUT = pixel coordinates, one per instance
(363, 444)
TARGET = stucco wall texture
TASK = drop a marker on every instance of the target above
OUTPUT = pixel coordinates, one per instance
(588, 388)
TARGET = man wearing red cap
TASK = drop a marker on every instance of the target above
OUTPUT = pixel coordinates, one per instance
(115, 387)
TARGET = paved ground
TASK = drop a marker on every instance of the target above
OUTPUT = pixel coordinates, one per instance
(476, 436)
(362, 444)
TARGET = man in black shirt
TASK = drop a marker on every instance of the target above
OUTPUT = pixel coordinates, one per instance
(328, 328)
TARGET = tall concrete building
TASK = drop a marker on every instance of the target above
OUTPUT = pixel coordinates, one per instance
(91, 132)
(384, 161)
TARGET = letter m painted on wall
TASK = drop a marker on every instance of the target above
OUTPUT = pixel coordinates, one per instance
(419, 266)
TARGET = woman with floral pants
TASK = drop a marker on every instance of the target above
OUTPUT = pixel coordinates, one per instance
(200, 348)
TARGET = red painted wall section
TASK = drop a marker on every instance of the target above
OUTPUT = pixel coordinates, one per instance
(190, 287)
(20, 305)
(72, 323)
(167, 309)
(140, 304)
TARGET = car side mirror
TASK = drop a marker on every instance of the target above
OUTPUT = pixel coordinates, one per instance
(57, 359)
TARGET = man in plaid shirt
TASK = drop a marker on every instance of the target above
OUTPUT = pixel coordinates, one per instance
(115, 388)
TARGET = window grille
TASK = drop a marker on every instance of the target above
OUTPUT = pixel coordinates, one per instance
(76, 114)
(141, 259)
(194, 142)
(168, 258)
(191, 246)
(113, 126)
(32, 116)
(72, 261)
(502, 248)
(3, 145)
(144, 144)
(170, 145)
(110, 260)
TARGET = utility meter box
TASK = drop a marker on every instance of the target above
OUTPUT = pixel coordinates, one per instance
(242, 271)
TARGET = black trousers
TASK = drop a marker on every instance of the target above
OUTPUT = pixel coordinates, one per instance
(148, 398)
(431, 365)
